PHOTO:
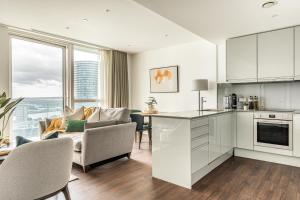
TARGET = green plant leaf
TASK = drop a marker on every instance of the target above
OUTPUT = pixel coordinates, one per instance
(3, 95)
(12, 104)
(4, 102)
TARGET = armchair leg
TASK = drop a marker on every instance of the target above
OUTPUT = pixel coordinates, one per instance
(66, 193)
(140, 138)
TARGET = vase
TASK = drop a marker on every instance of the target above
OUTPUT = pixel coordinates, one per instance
(151, 108)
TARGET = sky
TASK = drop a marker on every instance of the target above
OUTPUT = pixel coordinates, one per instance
(37, 69)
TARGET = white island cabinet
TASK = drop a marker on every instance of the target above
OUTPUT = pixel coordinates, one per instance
(188, 145)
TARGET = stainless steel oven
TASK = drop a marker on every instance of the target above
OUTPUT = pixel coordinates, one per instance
(273, 130)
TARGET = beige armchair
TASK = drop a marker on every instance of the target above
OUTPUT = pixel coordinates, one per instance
(37, 170)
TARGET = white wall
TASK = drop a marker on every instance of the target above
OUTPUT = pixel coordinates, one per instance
(4, 60)
(195, 60)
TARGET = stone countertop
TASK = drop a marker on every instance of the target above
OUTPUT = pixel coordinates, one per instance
(190, 114)
(206, 113)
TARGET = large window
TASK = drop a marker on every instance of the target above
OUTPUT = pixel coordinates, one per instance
(86, 77)
(37, 75)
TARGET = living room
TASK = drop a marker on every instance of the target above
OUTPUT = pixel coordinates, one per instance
(139, 99)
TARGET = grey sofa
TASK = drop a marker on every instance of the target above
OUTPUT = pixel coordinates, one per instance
(101, 141)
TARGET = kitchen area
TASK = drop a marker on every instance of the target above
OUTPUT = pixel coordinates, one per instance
(257, 116)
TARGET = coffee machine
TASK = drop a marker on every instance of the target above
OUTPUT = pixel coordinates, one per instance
(230, 102)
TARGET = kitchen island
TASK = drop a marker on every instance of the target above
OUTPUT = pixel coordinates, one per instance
(188, 145)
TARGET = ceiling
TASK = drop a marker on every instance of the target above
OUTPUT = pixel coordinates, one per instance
(119, 24)
(217, 20)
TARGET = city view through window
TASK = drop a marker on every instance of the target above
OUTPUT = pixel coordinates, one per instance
(86, 78)
(37, 75)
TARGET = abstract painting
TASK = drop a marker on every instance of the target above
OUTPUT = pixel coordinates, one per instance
(164, 80)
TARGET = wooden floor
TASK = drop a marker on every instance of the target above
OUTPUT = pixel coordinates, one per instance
(237, 178)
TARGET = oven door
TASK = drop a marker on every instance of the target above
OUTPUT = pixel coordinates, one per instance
(273, 133)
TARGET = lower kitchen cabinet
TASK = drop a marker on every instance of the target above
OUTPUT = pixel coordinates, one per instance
(296, 135)
(214, 139)
(244, 130)
(221, 135)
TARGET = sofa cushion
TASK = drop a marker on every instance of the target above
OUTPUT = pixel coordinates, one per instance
(75, 125)
(95, 117)
(88, 111)
(89, 125)
(118, 114)
(77, 115)
(76, 137)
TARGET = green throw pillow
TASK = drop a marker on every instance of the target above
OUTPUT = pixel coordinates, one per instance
(75, 125)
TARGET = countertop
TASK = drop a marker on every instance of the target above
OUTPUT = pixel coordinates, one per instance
(197, 114)
(190, 114)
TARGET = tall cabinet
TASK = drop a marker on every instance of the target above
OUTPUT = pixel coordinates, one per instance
(297, 53)
(242, 59)
(244, 130)
(276, 55)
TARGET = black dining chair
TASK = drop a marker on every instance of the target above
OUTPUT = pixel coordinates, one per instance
(141, 126)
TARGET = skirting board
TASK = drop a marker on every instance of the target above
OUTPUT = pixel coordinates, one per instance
(269, 157)
(196, 176)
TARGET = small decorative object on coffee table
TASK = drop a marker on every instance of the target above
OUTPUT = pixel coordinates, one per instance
(7, 107)
(151, 102)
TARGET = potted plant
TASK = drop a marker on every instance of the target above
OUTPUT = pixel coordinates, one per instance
(151, 102)
(7, 107)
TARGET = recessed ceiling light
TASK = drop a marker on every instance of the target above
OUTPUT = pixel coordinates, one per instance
(85, 19)
(275, 15)
(107, 10)
(166, 35)
(67, 27)
(269, 4)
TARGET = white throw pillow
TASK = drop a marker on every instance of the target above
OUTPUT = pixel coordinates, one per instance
(76, 115)
(95, 117)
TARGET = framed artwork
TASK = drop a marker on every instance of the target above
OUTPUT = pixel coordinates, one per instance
(164, 80)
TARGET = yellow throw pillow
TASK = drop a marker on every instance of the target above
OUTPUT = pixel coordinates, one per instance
(88, 112)
(54, 125)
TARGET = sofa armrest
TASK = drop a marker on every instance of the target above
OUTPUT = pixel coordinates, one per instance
(106, 142)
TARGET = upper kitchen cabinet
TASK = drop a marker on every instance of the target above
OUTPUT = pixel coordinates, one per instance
(297, 53)
(242, 59)
(276, 55)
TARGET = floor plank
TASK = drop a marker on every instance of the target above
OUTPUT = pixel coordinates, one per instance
(237, 178)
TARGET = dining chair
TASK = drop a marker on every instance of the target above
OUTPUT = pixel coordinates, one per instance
(37, 170)
(141, 126)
